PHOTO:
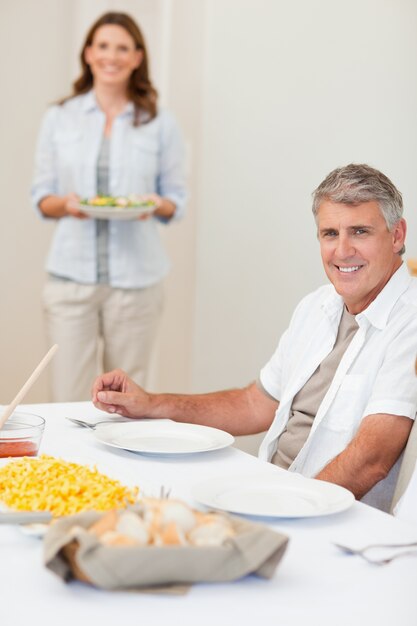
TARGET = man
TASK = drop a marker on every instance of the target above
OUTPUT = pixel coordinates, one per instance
(339, 395)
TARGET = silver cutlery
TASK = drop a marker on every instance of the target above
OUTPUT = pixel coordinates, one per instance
(92, 425)
(164, 492)
(367, 551)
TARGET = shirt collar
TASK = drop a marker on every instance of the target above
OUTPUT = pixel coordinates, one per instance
(90, 104)
(378, 312)
(380, 309)
(332, 306)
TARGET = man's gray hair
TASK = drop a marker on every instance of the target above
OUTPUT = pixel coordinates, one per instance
(357, 183)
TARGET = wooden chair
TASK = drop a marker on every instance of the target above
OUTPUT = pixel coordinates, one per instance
(412, 266)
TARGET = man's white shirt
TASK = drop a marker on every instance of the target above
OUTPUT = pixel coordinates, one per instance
(375, 375)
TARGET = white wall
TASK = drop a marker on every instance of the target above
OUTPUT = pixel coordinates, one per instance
(291, 91)
(271, 96)
(183, 94)
(35, 70)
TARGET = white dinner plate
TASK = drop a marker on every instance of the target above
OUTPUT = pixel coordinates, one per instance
(114, 212)
(273, 496)
(162, 437)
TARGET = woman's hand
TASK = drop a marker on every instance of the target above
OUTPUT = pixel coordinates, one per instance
(115, 392)
(71, 202)
(163, 206)
(62, 206)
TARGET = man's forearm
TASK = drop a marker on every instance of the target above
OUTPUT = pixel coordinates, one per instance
(239, 411)
(370, 455)
(234, 410)
(349, 470)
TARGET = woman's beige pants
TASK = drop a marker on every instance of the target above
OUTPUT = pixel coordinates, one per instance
(98, 328)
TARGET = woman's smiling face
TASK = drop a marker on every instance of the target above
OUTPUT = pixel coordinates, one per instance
(358, 251)
(112, 56)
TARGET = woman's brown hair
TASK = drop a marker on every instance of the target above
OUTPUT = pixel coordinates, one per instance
(140, 89)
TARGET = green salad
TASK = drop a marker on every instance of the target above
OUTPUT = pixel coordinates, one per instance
(121, 202)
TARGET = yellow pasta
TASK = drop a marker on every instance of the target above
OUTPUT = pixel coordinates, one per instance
(63, 488)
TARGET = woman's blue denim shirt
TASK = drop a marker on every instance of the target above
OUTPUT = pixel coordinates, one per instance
(145, 159)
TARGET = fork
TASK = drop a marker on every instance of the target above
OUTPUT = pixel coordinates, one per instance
(92, 425)
(380, 561)
(164, 492)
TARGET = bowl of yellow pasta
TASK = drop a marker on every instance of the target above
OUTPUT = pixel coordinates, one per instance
(63, 488)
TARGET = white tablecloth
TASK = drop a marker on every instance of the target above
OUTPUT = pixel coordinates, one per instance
(315, 584)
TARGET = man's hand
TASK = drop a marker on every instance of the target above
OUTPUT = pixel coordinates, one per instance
(115, 392)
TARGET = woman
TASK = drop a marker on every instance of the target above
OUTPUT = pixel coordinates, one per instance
(103, 296)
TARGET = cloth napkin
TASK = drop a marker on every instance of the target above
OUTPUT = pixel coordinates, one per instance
(73, 553)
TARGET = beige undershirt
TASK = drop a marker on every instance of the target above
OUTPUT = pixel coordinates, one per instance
(307, 401)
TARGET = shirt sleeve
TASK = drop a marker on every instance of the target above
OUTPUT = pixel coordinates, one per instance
(270, 376)
(45, 175)
(171, 174)
(395, 387)
(274, 374)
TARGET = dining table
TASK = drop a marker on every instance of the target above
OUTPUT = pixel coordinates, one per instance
(315, 583)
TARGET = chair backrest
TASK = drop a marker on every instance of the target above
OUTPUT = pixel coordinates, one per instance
(410, 453)
(407, 466)
(412, 266)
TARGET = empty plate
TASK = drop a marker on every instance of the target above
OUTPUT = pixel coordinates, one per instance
(273, 496)
(162, 437)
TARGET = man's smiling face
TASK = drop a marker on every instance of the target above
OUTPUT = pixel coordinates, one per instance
(358, 251)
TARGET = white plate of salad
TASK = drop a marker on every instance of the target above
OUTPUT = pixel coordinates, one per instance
(116, 207)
